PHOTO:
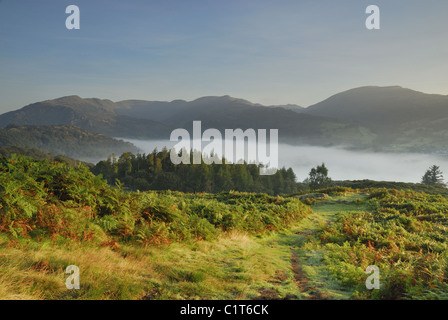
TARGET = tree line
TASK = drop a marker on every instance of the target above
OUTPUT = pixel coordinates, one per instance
(155, 171)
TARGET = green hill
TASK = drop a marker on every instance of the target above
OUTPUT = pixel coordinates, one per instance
(9, 151)
(53, 215)
(68, 141)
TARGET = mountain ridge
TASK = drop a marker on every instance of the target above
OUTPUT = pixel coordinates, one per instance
(91, 114)
(370, 104)
(368, 117)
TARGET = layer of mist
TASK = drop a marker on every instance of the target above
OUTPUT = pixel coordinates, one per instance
(342, 164)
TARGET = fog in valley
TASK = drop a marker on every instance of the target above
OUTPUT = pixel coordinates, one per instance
(342, 164)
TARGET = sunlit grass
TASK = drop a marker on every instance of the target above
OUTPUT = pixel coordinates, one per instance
(235, 266)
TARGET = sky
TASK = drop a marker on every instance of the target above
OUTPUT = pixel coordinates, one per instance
(270, 52)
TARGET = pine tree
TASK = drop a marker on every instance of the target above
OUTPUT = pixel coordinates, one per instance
(433, 176)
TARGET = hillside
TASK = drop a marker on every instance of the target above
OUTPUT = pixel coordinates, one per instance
(369, 118)
(382, 107)
(64, 140)
(231, 245)
(9, 151)
(402, 119)
(65, 215)
(155, 120)
(93, 115)
(230, 113)
(174, 112)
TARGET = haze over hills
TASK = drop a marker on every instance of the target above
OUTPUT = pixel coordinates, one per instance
(292, 107)
(94, 115)
(155, 120)
(369, 118)
(403, 119)
(10, 151)
(174, 112)
(382, 106)
(227, 112)
(64, 140)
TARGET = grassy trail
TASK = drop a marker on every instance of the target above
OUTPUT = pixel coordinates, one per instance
(296, 240)
(310, 276)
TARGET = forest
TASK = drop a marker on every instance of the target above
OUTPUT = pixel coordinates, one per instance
(155, 171)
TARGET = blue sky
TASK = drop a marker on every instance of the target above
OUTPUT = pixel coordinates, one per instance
(269, 52)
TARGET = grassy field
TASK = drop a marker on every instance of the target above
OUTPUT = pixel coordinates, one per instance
(235, 266)
(151, 245)
(403, 233)
(171, 245)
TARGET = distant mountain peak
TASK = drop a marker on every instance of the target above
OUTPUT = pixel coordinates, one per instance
(221, 99)
(65, 99)
(377, 106)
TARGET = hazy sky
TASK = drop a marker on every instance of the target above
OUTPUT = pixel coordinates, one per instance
(269, 52)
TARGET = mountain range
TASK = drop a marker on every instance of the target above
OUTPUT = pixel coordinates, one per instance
(369, 118)
(94, 115)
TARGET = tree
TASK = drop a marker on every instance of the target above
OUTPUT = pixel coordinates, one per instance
(318, 177)
(155, 171)
(433, 176)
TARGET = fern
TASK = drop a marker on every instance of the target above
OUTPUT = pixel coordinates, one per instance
(108, 223)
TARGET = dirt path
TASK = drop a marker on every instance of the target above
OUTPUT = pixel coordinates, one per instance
(323, 215)
(311, 287)
(300, 278)
(294, 241)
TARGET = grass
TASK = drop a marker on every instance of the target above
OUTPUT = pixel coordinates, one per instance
(132, 245)
(311, 255)
(235, 266)
(403, 233)
(309, 249)
(350, 202)
(171, 245)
